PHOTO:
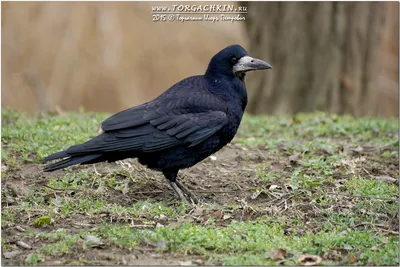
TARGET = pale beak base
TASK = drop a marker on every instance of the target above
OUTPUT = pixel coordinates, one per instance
(248, 63)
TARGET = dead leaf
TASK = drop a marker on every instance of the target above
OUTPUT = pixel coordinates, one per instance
(22, 244)
(385, 179)
(352, 259)
(309, 260)
(93, 241)
(198, 212)
(273, 187)
(227, 216)
(358, 149)
(277, 254)
(294, 158)
(216, 214)
(255, 194)
(11, 254)
(334, 255)
(378, 246)
(20, 228)
(287, 187)
(9, 200)
(146, 207)
(352, 150)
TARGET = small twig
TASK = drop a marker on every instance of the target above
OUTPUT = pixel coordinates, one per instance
(238, 186)
(381, 198)
(284, 200)
(367, 223)
(147, 192)
(95, 170)
(365, 170)
(60, 189)
(381, 227)
(95, 177)
(22, 244)
(390, 231)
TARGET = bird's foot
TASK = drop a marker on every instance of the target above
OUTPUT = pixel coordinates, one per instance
(178, 191)
(188, 192)
(181, 191)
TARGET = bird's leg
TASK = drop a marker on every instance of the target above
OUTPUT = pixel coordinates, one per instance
(178, 191)
(171, 177)
(187, 192)
(178, 187)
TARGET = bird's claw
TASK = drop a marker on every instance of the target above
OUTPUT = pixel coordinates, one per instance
(188, 192)
(181, 191)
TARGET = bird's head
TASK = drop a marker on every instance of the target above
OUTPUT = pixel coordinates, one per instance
(235, 61)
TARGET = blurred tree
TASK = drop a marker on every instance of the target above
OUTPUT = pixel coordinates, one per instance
(325, 56)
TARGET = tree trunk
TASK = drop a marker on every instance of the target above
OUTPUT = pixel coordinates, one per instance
(325, 56)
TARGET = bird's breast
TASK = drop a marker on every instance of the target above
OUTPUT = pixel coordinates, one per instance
(229, 131)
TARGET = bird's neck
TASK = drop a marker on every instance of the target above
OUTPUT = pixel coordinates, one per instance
(230, 89)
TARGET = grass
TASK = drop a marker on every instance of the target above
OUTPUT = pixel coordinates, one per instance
(324, 201)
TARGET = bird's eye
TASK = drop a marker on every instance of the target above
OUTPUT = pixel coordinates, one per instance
(234, 60)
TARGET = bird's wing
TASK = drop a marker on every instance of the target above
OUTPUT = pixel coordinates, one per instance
(170, 105)
(127, 118)
(186, 129)
(160, 133)
(187, 96)
(156, 126)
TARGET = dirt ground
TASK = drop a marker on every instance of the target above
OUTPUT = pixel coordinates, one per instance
(230, 176)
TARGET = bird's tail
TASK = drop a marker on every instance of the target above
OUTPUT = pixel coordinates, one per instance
(69, 160)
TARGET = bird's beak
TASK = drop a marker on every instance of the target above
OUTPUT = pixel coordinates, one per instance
(248, 63)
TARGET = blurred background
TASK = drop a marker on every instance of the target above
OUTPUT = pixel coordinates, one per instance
(338, 57)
